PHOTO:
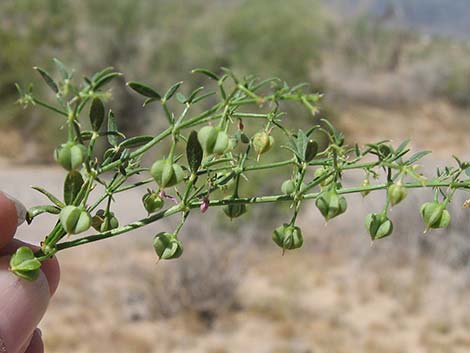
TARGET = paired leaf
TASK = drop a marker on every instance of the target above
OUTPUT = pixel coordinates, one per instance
(194, 152)
(303, 147)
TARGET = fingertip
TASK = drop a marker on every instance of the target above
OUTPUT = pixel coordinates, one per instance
(23, 304)
(36, 345)
(51, 269)
(8, 220)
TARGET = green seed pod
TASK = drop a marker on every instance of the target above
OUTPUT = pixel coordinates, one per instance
(207, 137)
(262, 142)
(70, 155)
(331, 204)
(288, 187)
(74, 220)
(152, 202)
(435, 215)
(24, 264)
(396, 193)
(213, 140)
(166, 174)
(288, 237)
(167, 246)
(378, 225)
(320, 172)
(103, 222)
(221, 143)
(235, 210)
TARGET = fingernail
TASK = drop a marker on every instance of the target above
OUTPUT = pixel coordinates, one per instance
(20, 209)
(39, 332)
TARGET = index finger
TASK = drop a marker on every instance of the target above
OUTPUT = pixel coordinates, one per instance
(12, 213)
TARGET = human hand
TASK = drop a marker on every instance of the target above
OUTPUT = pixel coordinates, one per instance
(22, 303)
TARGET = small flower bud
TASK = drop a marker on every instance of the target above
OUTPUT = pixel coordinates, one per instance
(365, 183)
(204, 205)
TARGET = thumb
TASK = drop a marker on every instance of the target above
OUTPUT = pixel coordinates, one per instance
(22, 305)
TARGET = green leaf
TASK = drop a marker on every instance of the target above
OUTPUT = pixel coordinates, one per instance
(136, 141)
(311, 150)
(62, 69)
(202, 97)
(105, 79)
(301, 143)
(194, 152)
(97, 76)
(144, 90)
(72, 186)
(24, 264)
(37, 210)
(170, 93)
(402, 147)
(48, 79)
(112, 128)
(51, 197)
(194, 94)
(180, 97)
(97, 113)
(150, 100)
(417, 156)
(207, 73)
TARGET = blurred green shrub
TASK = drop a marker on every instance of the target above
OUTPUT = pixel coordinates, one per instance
(161, 37)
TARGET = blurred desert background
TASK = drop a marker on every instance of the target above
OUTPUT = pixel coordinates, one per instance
(389, 70)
